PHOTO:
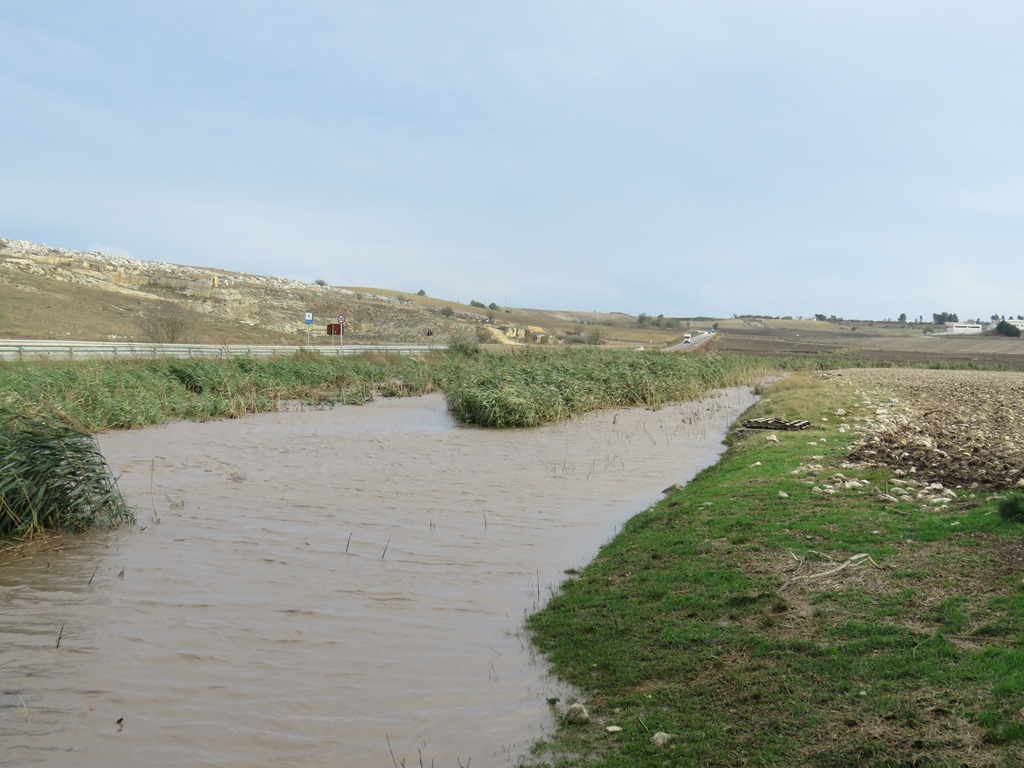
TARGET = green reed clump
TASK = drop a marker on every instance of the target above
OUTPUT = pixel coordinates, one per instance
(537, 386)
(95, 395)
(53, 477)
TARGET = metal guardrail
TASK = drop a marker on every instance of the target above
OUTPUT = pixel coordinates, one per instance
(25, 349)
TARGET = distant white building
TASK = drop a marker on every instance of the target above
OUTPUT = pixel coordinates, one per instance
(963, 328)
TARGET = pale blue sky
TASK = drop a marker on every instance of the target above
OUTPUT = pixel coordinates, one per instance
(722, 157)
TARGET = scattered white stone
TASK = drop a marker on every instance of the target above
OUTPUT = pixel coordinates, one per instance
(577, 713)
(954, 523)
(840, 411)
(783, 495)
(756, 464)
(613, 729)
(660, 739)
(772, 438)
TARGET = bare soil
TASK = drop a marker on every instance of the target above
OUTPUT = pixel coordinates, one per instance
(876, 342)
(956, 427)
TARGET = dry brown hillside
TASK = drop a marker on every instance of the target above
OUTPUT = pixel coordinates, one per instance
(58, 293)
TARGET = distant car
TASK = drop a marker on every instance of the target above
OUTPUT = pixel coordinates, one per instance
(686, 339)
(639, 347)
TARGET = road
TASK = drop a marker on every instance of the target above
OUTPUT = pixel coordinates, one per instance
(695, 342)
(34, 349)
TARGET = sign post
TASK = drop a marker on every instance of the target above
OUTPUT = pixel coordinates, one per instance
(309, 324)
(341, 332)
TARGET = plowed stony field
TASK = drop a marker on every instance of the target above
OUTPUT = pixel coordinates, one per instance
(958, 428)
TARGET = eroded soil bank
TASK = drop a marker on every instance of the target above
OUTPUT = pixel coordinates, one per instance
(336, 588)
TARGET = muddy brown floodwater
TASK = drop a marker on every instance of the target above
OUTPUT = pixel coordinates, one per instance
(340, 587)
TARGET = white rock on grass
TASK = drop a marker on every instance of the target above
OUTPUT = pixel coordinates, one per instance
(577, 714)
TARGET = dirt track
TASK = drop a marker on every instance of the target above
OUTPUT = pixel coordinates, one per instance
(959, 428)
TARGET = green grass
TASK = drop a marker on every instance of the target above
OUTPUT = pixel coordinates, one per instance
(689, 621)
(535, 385)
(102, 395)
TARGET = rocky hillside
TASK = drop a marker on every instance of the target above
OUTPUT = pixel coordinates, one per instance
(57, 293)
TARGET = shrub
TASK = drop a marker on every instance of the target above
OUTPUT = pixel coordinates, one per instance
(168, 322)
(1007, 329)
(464, 347)
(321, 283)
(447, 311)
(1011, 507)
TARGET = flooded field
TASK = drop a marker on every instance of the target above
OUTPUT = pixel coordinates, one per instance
(340, 587)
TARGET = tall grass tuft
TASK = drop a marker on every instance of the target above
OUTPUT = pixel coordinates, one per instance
(1011, 507)
(53, 478)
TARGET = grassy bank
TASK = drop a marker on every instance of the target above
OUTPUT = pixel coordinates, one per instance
(102, 395)
(778, 612)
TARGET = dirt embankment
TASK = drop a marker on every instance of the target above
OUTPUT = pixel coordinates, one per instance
(958, 428)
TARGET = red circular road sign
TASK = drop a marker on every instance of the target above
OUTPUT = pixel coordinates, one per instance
(341, 319)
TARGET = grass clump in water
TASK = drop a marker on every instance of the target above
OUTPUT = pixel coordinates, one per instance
(536, 386)
(53, 478)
